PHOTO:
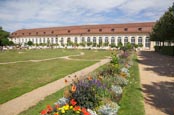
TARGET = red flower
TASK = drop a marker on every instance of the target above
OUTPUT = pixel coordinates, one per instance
(85, 112)
(44, 112)
(77, 108)
(56, 113)
(57, 106)
(49, 108)
(73, 102)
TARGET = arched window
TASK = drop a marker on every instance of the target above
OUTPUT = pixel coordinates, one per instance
(147, 42)
(75, 39)
(132, 40)
(100, 40)
(106, 40)
(125, 40)
(94, 39)
(88, 39)
(113, 40)
(119, 40)
(140, 41)
(56, 40)
(83, 39)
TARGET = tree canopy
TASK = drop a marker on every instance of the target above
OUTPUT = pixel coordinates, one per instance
(163, 31)
(4, 37)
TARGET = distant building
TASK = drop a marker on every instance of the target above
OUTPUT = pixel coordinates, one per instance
(135, 33)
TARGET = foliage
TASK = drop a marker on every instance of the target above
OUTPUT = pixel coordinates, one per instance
(120, 44)
(163, 29)
(116, 89)
(30, 43)
(4, 37)
(89, 43)
(112, 45)
(109, 109)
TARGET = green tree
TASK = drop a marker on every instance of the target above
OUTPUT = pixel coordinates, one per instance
(163, 30)
(30, 43)
(4, 37)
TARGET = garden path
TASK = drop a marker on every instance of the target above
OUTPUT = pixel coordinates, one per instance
(157, 79)
(22, 103)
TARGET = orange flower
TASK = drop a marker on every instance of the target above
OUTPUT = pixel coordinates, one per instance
(56, 113)
(44, 112)
(66, 80)
(73, 88)
(77, 108)
(73, 102)
(49, 108)
(89, 78)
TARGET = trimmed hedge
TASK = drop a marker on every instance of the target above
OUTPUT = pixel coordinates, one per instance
(166, 50)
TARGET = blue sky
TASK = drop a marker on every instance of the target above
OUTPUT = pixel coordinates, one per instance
(19, 14)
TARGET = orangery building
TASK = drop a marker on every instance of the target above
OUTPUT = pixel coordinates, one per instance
(104, 34)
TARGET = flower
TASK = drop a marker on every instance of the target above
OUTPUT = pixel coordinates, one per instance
(85, 112)
(43, 112)
(73, 102)
(56, 113)
(77, 108)
(66, 80)
(73, 88)
(89, 78)
(49, 108)
(57, 106)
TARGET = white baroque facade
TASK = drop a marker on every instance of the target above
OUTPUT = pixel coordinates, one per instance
(61, 36)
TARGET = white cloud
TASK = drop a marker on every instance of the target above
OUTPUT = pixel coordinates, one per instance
(17, 14)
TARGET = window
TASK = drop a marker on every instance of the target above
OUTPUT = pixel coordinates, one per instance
(100, 40)
(61, 40)
(15, 33)
(69, 31)
(100, 30)
(52, 32)
(40, 40)
(94, 39)
(36, 33)
(52, 40)
(139, 29)
(68, 40)
(29, 33)
(44, 32)
(44, 40)
(56, 40)
(106, 40)
(125, 40)
(22, 33)
(140, 40)
(147, 42)
(132, 40)
(125, 29)
(89, 30)
(113, 40)
(119, 40)
(75, 40)
(112, 29)
(88, 39)
(83, 39)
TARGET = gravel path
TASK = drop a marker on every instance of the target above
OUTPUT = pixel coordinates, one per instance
(157, 79)
(19, 104)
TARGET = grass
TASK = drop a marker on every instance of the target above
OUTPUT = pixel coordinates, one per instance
(35, 110)
(132, 100)
(22, 55)
(17, 79)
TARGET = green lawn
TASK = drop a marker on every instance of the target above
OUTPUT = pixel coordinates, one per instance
(132, 100)
(17, 79)
(21, 55)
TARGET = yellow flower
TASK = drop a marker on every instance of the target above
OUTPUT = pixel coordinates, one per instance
(62, 111)
(71, 107)
(77, 111)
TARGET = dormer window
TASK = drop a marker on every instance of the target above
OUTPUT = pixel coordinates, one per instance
(22, 33)
(89, 30)
(100, 30)
(36, 33)
(44, 32)
(125, 29)
(52, 32)
(112, 29)
(15, 33)
(29, 33)
(139, 29)
(69, 31)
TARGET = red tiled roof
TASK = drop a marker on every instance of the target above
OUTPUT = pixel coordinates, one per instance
(145, 27)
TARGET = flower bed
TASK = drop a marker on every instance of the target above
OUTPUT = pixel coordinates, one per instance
(98, 94)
